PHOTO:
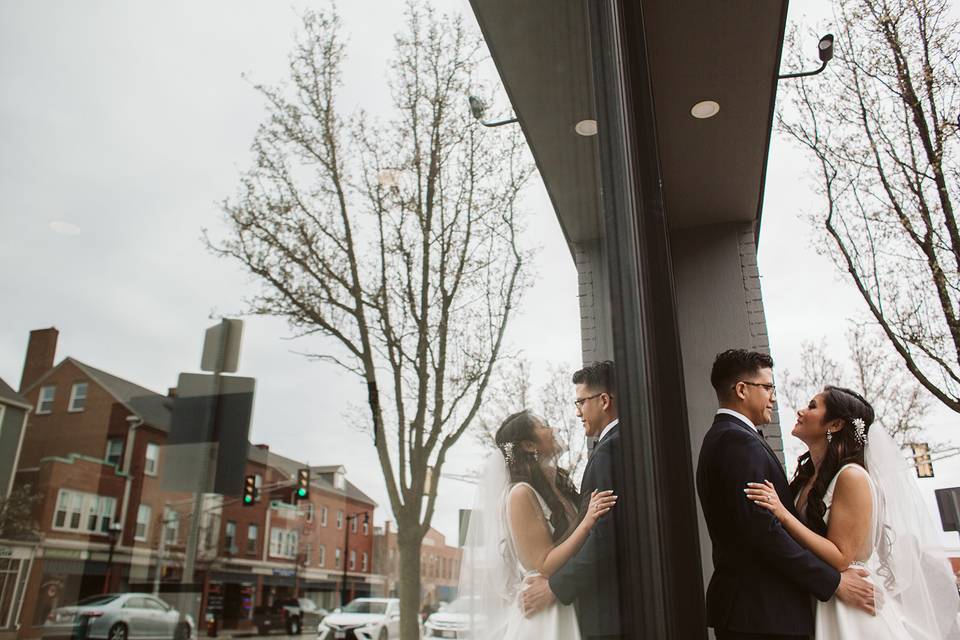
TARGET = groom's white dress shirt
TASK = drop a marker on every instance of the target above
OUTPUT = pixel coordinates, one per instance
(735, 414)
(607, 428)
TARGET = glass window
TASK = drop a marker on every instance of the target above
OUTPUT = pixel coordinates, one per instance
(78, 397)
(307, 553)
(107, 507)
(323, 516)
(171, 525)
(72, 505)
(353, 559)
(114, 450)
(353, 524)
(363, 565)
(339, 519)
(336, 558)
(230, 536)
(322, 556)
(60, 517)
(366, 527)
(76, 510)
(143, 523)
(151, 457)
(309, 514)
(252, 538)
(45, 400)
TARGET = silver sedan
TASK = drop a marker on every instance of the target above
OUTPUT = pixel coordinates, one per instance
(119, 616)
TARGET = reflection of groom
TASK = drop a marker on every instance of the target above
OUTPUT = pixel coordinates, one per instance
(762, 579)
(590, 577)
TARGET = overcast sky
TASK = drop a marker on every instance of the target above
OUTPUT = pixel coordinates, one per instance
(122, 125)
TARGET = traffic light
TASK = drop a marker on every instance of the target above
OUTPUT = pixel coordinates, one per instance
(249, 490)
(303, 484)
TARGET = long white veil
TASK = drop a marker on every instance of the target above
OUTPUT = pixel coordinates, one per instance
(489, 572)
(911, 563)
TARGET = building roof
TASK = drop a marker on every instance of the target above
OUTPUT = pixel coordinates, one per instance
(11, 397)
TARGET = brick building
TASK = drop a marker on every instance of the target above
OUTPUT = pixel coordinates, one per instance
(439, 565)
(93, 451)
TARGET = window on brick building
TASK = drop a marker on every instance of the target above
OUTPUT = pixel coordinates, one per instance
(78, 397)
(336, 558)
(230, 537)
(353, 525)
(171, 526)
(143, 523)
(323, 516)
(322, 556)
(150, 459)
(45, 399)
(252, 532)
(307, 553)
(114, 451)
(366, 528)
(353, 559)
(72, 505)
(309, 512)
(363, 564)
(339, 519)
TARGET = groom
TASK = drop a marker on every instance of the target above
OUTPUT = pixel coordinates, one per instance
(762, 579)
(590, 577)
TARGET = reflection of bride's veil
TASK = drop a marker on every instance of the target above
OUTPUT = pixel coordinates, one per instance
(910, 562)
(489, 573)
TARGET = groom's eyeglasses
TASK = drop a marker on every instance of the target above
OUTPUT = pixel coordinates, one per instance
(578, 403)
(771, 388)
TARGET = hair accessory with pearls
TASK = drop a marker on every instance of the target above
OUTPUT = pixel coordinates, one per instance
(859, 430)
(508, 452)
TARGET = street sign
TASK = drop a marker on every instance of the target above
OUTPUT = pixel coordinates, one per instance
(221, 347)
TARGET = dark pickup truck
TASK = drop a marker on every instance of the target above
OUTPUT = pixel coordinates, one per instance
(291, 616)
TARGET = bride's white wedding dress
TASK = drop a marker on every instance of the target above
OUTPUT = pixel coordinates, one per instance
(558, 621)
(836, 620)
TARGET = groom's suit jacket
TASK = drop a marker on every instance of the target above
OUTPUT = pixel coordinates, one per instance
(762, 579)
(590, 576)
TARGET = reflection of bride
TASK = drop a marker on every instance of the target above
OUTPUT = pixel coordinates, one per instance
(524, 523)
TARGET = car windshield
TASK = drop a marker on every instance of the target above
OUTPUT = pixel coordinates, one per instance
(98, 600)
(365, 606)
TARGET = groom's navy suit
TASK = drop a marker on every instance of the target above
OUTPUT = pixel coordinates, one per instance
(590, 577)
(762, 579)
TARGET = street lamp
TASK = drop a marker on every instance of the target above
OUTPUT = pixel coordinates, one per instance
(113, 534)
(478, 108)
(824, 50)
(346, 550)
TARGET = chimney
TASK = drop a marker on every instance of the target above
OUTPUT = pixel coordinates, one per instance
(41, 351)
(171, 392)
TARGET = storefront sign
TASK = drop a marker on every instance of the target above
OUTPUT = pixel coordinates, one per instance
(66, 554)
(287, 573)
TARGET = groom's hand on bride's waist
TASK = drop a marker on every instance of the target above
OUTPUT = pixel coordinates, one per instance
(856, 591)
(535, 596)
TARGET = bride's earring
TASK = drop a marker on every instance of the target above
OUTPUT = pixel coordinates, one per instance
(536, 456)
(829, 437)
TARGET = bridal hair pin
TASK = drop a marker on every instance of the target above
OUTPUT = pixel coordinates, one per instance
(508, 452)
(859, 430)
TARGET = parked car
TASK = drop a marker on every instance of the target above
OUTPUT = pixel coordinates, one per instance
(291, 616)
(451, 621)
(363, 619)
(119, 616)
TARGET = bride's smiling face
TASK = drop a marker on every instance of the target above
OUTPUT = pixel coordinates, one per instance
(545, 440)
(810, 426)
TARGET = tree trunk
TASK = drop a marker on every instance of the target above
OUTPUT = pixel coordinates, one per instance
(409, 542)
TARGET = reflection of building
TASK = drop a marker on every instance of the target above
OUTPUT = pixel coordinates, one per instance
(94, 450)
(439, 565)
(16, 538)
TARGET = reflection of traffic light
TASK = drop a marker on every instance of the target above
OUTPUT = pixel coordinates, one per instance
(303, 484)
(249, 490)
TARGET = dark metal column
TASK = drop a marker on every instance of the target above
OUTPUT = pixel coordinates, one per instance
(659, 548)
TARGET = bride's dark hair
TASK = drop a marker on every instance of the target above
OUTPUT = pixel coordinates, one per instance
(843, 448)
(523, 466)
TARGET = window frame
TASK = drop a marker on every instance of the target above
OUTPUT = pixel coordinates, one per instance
(255, 529)
(146, 524)
(106, 453)
(74, 397)
(39, 410)
(83, 506)
(151, 469)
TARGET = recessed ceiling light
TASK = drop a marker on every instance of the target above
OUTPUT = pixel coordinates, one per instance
(586, 127)
(705, 109)
(65, 228)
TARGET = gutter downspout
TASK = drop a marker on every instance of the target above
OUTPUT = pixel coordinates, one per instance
(135, 422)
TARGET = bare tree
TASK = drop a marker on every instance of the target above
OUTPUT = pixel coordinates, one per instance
(398, 240)
(901, 404)
(17, 514)
(882, 126)
(513, 390)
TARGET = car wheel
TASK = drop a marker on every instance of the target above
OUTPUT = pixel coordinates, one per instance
(182, 632)
(293, 627)
(118, 632)
(384, 634)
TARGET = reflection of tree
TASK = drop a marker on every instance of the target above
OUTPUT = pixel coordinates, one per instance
(901, 404)
(511, 390)
(881, 124)
(400, 242)
(17, 518)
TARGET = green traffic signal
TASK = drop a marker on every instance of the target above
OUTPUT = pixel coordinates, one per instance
(301, 492)
(248, 499)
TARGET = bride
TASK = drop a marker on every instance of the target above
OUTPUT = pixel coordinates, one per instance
(859, 504)
(524, 523)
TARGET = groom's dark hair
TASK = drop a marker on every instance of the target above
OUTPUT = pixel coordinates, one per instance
(598, 375)
(733, 365)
